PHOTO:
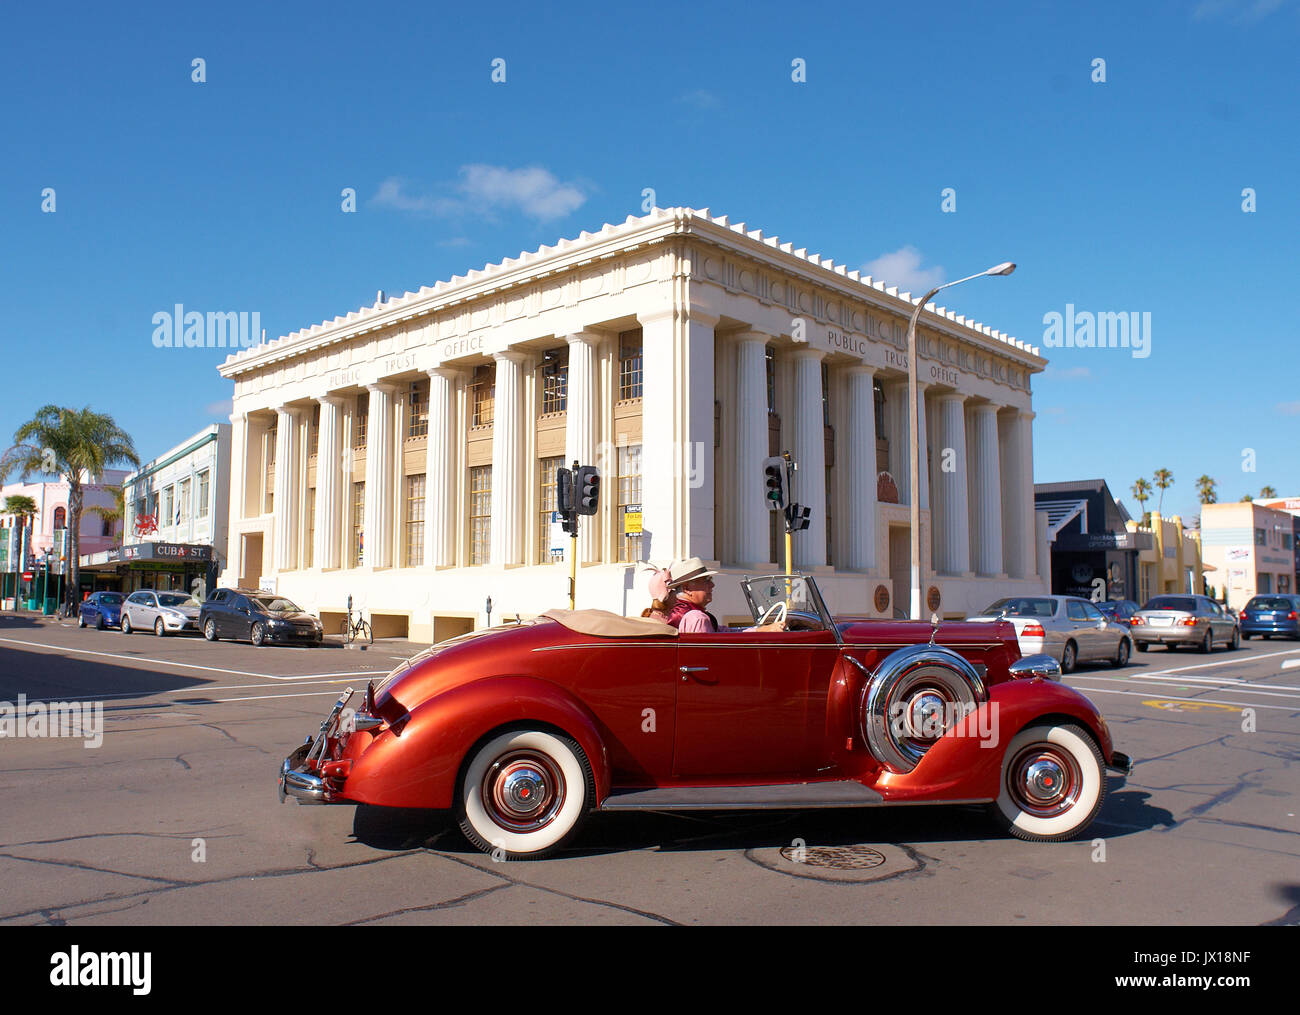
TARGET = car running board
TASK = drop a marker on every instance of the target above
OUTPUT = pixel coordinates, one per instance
(728, 798)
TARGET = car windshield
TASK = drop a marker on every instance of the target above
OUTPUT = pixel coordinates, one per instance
(1185, 604)
(1269, 603)
(1021, 607)
(795, 592)
(111, 598)
(277, 604)
(176, 599)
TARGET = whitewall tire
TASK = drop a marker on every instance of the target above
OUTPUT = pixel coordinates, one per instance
(523, 793)
(1053, 783)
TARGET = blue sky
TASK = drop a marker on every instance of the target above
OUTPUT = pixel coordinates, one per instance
(1122, 195)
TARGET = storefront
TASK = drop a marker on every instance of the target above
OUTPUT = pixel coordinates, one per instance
(182, 567)
(1093, 554)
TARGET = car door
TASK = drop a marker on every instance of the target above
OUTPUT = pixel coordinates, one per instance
(1106, 635)
(1082, 630)
(752, 704)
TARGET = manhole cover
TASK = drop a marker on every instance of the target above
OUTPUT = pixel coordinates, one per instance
(844, 858)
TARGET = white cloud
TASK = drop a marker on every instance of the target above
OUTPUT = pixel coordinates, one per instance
(485, 190)
(222, 408)
(903, 269)
(1238, 11)
(1289, 408)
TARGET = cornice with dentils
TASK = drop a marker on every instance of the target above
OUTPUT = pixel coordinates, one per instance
(659, 225)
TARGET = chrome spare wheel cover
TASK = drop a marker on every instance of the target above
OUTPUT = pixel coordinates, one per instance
(915, 695)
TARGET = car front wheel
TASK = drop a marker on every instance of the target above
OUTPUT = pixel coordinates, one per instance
(81, 621)
(1053, 783)
(158, 627)
(258, 635)
(210, 630)
(1122, 654)
(523, 793)
(126, 624)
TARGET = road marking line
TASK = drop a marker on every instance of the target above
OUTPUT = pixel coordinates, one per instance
(188, 666)
(1147, 694)
(1234, 688)
(1290, 664)
(1238, 660)
(175, 690)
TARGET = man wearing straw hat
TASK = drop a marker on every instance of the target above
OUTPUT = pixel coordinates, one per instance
(693, 584)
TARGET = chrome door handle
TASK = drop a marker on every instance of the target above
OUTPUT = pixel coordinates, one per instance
(692, 669)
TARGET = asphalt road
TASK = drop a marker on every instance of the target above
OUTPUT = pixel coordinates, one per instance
(174, 818)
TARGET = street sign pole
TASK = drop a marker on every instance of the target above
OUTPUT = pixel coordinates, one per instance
(573, 543)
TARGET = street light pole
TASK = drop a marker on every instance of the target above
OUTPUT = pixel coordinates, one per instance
(913, 430)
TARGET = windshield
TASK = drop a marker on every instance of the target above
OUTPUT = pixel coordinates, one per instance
(1186, 604)
(796, 592)
(174, 599)
(111, 598)
(278, 604)
(1269, 603)
(1022, 607)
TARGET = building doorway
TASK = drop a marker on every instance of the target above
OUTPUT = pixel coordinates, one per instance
(252, 558)
(900, 568)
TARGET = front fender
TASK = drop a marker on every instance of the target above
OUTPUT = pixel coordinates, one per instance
(417, 764)
(966, 762)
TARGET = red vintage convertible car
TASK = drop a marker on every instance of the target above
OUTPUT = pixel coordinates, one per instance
(522, 730)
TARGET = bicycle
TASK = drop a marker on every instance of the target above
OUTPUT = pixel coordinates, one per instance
(355, 631)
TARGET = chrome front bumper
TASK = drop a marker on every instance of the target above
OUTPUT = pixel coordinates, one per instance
(295, 779)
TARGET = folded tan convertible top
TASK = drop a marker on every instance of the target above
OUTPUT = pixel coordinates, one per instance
(604, 624)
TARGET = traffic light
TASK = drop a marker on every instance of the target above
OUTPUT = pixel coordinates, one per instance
(587, 488)
(774, 480)
(564, 492)
(797, 517)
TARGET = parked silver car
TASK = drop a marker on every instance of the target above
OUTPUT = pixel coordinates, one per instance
(1067, 628)
(164, 612)
(1173, 620)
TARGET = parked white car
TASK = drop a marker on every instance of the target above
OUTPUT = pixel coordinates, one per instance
(161, 612)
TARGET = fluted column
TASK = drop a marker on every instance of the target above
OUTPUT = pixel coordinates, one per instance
(950, 516)
(900, 466)
(378, 530)
(507, 531)
(986, 491)
(751, 514)
(238, 470)
(859, 470)
(440, 470)
(810, 456)
(1018, 494)
(580, 431)
(329, 484)
(287, 485)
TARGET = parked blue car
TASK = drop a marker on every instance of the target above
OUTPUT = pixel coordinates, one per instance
(1270, 615)
(101, 610)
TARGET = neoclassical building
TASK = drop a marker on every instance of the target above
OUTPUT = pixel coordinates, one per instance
(406, 454)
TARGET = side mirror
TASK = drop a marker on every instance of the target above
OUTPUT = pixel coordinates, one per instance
(1040, 665)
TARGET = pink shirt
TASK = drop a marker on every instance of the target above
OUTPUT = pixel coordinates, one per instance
(695, 622)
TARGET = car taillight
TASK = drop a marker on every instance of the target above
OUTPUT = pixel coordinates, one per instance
(1243, 615)
(1189, 622)
(1033, 631)
(1135, 620)
(1292, 615)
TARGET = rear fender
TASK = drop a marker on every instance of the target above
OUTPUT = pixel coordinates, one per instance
(966, 762)
(418, 764)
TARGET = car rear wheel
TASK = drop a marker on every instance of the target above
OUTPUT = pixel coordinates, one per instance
(1142, 646)
(1236, 639)
(1207, 643)
(1122, 654)
(1053, 783)
(210, 630)
(1069, 657)
(523, 793)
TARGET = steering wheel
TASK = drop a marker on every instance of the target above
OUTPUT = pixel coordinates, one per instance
(778, 607)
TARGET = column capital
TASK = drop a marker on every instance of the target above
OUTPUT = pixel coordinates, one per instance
(509, 356)
(452, 374)
(238, 417)
(861, 369)
(985, 406)
(752, 335)
(655, 316)
(331, 399)
(384, 388)
(948, 396)
(802, 351)
(584, 338)
(288, 409)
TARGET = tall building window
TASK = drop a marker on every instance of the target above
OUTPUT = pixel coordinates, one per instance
(358, 524)
(268, 490)
(362, 420)
(826, 394)
(549, 468)
(313, 432)
(183, 508)
(878, 393)
(480, 514)
(168, 517)
(203, 494)
(415, 520)
(484, 395)
(628, 520)
(630, 361)
(555, 380)
(418, 426)
(60, 518)
(310, 544)
(769, 375)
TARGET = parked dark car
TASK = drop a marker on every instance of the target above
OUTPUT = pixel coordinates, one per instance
(259, 617)
(1270, 615)
(101, 610)
(1120, 610)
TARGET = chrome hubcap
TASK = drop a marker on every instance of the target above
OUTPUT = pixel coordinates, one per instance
(925, 716)
(523, 792)
(1044, 780)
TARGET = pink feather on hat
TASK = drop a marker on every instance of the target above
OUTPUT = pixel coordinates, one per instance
(658, 583)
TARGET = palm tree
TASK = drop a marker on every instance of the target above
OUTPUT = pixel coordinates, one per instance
(1205, 487)
(23, 508)
(75, 442)
(1268, 491)
(1247, 499)
(1164, 479)
(1142, 493)
(113, 514)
